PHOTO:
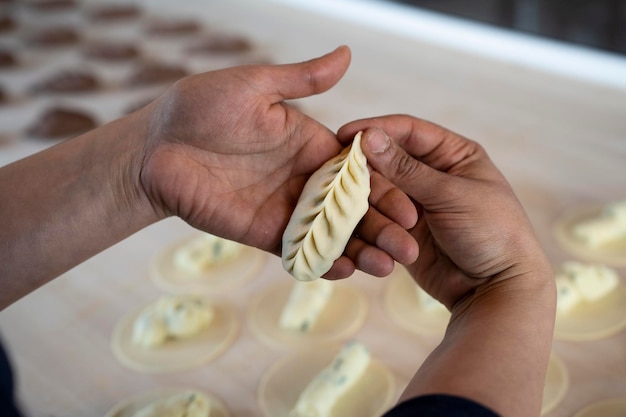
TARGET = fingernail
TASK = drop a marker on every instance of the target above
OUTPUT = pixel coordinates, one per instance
(378, 141)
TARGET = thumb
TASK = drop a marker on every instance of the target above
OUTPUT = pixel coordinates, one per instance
(418, 180)
(304, 79)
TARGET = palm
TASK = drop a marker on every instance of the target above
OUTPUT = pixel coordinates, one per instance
(258, 171)
(460, 246)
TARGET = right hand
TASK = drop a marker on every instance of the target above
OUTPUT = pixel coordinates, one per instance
(471, 230)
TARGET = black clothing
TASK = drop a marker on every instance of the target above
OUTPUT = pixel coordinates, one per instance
(439, 405)
(7, 389)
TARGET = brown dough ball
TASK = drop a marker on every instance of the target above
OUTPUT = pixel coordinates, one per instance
(163, 27)
(50, 5)
(58, 122)
(67, 82)
(106, 13)
(7, 24)
(111, 51)
(7, 59)
(56, 36)
(155, 73)
(222, 43)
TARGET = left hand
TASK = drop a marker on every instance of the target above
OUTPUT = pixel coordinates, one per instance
(230, 157)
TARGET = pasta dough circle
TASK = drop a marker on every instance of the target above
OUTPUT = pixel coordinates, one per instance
(607, 408)
(128, 407)
(222, 277)
(176, 355)
(556, 385)
(332, 203)
(597, 320)
(282, 384)
(344, 314)
(613, 254)
(403, 306)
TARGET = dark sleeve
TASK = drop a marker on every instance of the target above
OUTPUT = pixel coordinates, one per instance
(439, 405)
(7, 396)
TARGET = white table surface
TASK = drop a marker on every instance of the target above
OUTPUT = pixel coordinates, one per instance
(560, 141)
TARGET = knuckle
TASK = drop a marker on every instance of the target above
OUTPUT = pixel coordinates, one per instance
(405, 167)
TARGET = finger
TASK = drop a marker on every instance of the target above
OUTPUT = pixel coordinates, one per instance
(391, 201)
(342, 268)
(361, 255)
(434, 145)
(418, 180)
(304, 79)
(379, 231)
(368, 258)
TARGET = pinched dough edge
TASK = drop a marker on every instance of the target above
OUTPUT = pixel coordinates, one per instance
(332, 203)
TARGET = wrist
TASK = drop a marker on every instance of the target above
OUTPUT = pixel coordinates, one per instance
(525, 272)
(70, 202)
(125, 143)
(530, 282)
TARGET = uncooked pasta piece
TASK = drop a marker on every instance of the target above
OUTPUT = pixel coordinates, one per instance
(608, 227)
(171, 317)
(184, 404)
(306, 302)
(331, 205)
(578, 282)
(322, 394)
(205, 251)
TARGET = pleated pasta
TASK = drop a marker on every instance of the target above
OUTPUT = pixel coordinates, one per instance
(331, 205)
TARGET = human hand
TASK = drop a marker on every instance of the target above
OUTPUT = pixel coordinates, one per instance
(230, 157)
(471, 229)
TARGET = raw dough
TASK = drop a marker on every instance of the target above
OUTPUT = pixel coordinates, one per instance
(69, 81)
(281, 386)
(53, 36)
(152, 73)
(59, 122)
(221, 43)
(615, 407)
(218, 278)
(129, 407)
(411, 310)
(332, 203)
(585, 320)
(7, 59)
(175, 355)
(51, 5)
(184, 404)
(608, 227)
(114, 12)
(111, 51)
(306, 302)
(556, 385)
(613, 254)
(326, 390)
(577, 283)
(344, 314)
(7, 24)
(173, 27)
(205, 251)
(171, 317)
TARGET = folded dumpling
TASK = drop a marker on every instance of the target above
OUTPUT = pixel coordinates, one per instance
(184, 404)
(331, 205)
